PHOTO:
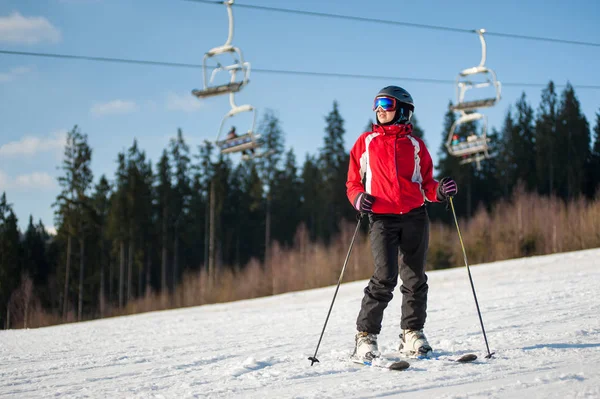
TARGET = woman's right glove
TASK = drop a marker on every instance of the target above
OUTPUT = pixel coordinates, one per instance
(446, 188)
(364, 202)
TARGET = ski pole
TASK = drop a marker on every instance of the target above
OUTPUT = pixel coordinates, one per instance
(313, 358)
(489, 355)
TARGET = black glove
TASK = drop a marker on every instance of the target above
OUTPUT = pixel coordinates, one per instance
(446, 188)
(364, 202)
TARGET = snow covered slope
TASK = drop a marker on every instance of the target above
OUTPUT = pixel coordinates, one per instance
(542, 317)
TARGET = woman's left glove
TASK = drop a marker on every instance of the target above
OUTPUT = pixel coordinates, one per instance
(364, 202)
(446, 188)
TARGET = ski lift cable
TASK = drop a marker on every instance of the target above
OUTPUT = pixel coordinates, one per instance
(401, 23)
(273, 71)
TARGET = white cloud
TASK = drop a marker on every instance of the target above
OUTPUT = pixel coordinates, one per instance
(29, 145)
(183, 102)
(13, 74)
(35, 181)
(17, 29)
(51, 230)
(114, 107)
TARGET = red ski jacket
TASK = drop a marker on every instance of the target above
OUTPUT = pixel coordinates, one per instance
(396, 167)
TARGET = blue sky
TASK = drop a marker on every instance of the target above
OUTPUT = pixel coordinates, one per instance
(42, 98)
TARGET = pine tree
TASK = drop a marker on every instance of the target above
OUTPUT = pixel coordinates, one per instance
(268, 166)
(35, 263)
(517, 162)
(234, 209)
(333, 153)
(333, 165)
(139, 226)
(36, 267)
(525, 148)
(72, 205)
(197, 219)
(117, 227)
(84, 181)
(222, 186)
(272, 136)
(312, 198)
(507, 169)
(101, 205)
(148, 232)
(546, 140)
(286, 201)
(164, 206)
(200, 205)
(248, 216)
(181, 196)
(10, 258)
(132, 183)
(574, 143)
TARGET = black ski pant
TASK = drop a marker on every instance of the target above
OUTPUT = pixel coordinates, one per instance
(391, 235)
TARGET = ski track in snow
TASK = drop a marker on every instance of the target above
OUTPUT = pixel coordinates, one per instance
(541, 314)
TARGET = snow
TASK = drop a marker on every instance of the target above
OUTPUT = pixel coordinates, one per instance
(541, 314)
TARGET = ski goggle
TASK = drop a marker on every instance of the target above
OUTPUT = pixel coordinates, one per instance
(386, 103)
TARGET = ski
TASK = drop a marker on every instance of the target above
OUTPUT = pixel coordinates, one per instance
(392, 363)
(383, 363)
(466, 358)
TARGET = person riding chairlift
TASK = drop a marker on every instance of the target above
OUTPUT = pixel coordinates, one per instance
(232, 135)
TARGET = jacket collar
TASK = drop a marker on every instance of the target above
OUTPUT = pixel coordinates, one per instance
(396, 130)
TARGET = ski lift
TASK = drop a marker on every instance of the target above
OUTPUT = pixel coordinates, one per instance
(473, 147)
(464, 83)
(247, 143)
(233, 86)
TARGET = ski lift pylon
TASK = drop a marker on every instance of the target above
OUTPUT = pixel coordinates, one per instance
(238, 64)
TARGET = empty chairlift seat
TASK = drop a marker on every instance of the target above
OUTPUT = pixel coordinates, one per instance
(235, 63)
(218, 90)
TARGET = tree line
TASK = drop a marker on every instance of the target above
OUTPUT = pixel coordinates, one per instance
(150, 225)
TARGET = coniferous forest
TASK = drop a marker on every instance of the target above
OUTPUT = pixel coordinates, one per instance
(194, 227)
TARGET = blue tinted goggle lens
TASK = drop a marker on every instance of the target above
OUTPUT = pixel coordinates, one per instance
(387, 103)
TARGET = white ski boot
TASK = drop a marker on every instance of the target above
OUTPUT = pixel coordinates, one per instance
(413, 343)
(366, 346)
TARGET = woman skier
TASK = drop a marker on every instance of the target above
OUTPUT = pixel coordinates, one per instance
(390, 175)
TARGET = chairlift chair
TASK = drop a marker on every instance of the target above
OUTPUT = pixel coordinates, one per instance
(234, 85)
(464, 83)
(247, 142)
(472, 148)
